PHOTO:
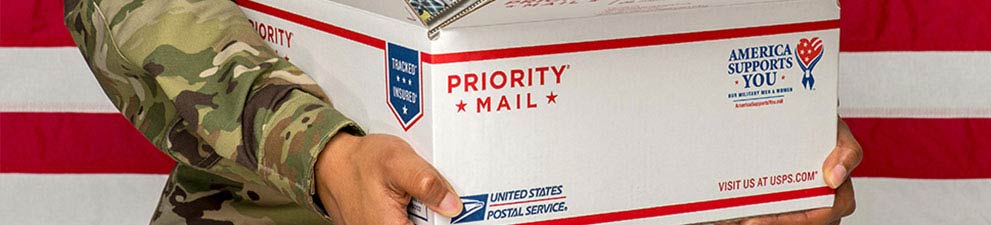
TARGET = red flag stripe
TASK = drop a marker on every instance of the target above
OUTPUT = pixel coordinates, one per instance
(76, 143)
(33, 24)
(902, 25)
(923, 148)
(865, 25)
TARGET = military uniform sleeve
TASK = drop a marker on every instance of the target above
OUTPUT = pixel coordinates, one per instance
(204, 88)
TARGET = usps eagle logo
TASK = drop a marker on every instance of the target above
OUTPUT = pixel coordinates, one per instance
(809, 54)
(474, 209)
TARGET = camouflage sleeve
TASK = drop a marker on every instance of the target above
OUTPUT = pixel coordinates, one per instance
(196, 80)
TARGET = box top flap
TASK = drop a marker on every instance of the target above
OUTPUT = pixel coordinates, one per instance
(517, 11)
(428, 13)
(397, 9)
(438, 14)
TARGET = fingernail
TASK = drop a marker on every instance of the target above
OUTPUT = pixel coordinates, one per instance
(837, 175)
(451, 205)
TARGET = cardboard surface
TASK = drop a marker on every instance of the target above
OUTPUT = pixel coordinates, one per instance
(719, 115)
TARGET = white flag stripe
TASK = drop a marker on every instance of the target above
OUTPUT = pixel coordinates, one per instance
(921, 202)
(83, 199)
(915, 84)
(49, 80)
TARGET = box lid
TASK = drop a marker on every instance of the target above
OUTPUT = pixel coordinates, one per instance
(438, 14)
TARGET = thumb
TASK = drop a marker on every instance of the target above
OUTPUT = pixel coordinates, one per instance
(845, 157)
(418, 178)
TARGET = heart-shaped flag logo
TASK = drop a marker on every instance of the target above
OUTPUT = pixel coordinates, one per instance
(808, 51)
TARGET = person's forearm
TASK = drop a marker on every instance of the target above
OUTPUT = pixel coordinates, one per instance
(196, 80)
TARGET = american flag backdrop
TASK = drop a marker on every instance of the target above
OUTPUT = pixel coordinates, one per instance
(915, 88)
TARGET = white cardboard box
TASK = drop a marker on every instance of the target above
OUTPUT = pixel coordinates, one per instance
(581, 111)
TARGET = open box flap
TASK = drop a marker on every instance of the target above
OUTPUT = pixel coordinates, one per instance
(395, 9)
(439, 14)
(519, 11)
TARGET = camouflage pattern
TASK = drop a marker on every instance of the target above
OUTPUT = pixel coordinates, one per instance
(201, 85)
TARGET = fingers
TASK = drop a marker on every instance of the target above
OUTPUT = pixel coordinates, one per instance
(843, 205)
(732, 222)
(808, 217)
(845, 157)
(412, 175)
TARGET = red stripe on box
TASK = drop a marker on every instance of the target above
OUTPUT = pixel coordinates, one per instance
(76, 143)
(869, 26)
(923, 148)
(690, 207)
(331, 29)
(630, 42)
(553, 48)
(33, 24)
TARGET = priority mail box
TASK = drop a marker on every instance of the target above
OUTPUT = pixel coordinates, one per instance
(585, 111)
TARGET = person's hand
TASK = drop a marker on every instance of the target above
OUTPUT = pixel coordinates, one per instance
(369, 180)
(844, 158)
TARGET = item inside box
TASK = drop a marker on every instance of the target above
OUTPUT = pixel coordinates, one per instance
(427, 9)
